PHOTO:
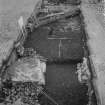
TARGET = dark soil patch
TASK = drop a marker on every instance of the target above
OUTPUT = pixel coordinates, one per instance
(62, 85)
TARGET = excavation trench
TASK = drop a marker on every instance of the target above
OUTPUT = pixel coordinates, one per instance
(62, 44)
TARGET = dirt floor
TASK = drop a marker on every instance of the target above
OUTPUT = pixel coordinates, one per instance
(63, 86)
(46, 40)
